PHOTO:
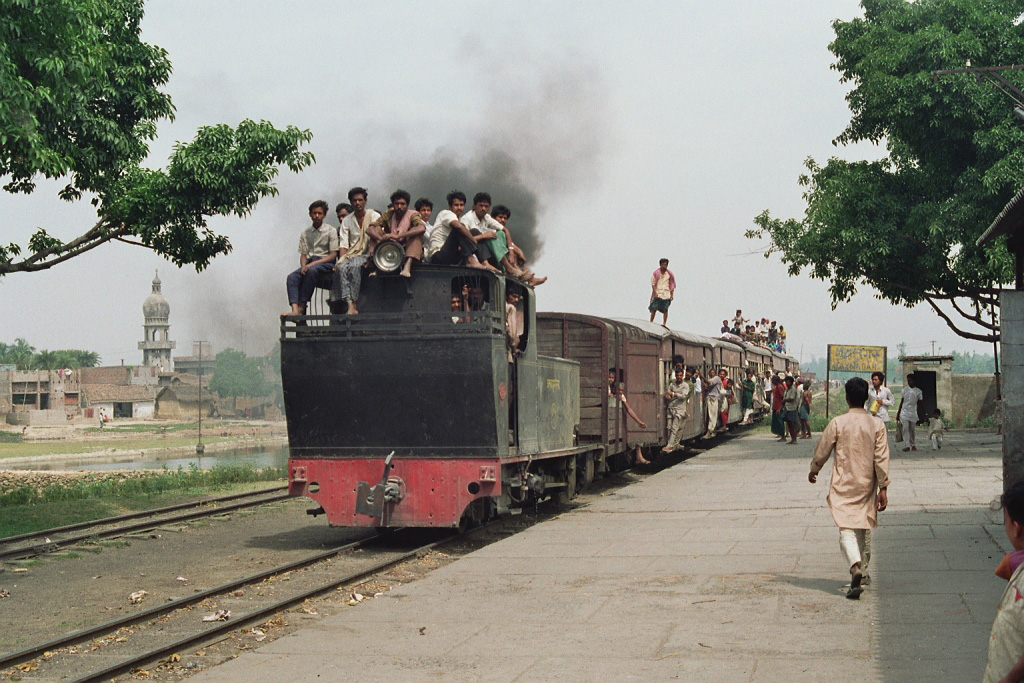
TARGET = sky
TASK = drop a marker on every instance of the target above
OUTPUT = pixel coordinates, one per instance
(638, 131)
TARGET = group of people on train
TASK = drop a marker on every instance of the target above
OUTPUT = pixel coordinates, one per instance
(478, 238)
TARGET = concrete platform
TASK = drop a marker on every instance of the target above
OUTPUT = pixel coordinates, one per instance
(723, 568)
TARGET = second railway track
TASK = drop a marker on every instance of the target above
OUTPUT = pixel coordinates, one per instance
(58, 538)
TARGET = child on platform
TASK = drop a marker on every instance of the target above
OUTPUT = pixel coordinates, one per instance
(935, 428)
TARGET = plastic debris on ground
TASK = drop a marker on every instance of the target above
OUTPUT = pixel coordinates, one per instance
(219, 615)
(137, 597)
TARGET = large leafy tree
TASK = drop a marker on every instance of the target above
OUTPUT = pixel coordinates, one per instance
(907, 224)
(235, 374)
(81, 101)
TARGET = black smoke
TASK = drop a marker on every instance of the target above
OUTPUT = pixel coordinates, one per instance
(494, 172)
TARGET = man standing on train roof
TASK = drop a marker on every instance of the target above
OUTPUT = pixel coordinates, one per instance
(663, 288)
(356, 248)
(318, 250)
(860, 479)
(399, 224)
(678, 397)
(452, 243)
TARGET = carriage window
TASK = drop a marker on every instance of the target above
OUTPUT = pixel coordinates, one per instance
(473, 291)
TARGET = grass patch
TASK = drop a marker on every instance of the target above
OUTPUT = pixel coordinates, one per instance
(18, 450)
(26, 509)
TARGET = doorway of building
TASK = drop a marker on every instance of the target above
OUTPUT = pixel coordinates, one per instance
(925, 381)
(122, 410)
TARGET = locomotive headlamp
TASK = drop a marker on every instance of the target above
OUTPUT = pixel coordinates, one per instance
(388, 256)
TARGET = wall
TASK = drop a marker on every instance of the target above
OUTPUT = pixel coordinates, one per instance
(143, 409)
(973, 396)
(1011, 313)
(38, 417)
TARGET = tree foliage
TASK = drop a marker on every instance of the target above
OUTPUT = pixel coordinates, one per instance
(907, 224)
(26, 357)
(81, 102)
(235, 374)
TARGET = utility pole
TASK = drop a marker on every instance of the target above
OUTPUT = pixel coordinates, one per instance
(200, 448)
(933, 347)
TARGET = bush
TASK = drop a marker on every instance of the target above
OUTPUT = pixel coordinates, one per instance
(180, 480)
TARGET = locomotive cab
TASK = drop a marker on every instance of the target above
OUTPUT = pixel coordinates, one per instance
(437, 389)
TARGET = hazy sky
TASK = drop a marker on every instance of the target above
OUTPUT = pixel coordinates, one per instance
(644, 129)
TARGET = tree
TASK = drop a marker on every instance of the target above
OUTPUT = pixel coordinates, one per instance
(235, 374)
(907, 224)
(81, 101)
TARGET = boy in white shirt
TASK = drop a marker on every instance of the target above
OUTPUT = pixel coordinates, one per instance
(935, 427)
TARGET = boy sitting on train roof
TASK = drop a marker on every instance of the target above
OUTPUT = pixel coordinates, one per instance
(318, 249)
(510, 256)
(399, 224)
(452, 243)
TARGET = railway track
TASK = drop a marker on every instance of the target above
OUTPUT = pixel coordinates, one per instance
(205, 633)
(51, 540)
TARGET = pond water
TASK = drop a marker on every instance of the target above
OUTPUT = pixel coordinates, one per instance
(255, 457)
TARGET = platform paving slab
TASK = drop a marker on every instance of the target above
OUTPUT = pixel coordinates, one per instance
(725, 567)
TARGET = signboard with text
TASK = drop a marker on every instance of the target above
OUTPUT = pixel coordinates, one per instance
(856, 358)
(845, 358)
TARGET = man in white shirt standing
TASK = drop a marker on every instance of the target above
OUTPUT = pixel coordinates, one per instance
(908, 411)
(877, 391)
(356, 249)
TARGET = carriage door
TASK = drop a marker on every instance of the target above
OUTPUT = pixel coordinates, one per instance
(643, 379)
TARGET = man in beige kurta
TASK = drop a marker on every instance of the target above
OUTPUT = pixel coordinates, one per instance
(860, 478)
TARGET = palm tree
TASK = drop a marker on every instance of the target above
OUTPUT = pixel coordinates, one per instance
(46, 360)
(87, 359)
(21, 353)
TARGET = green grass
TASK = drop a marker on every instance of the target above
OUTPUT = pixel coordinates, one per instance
(26, 449)
(145, 428)
(26, 509)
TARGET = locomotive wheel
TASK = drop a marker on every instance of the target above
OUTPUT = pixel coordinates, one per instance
(568, 492)
(584, 470)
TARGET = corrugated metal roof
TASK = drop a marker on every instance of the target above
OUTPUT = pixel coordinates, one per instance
(1010, 219)
(662, 331)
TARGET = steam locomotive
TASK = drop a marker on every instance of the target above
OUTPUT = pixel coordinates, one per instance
(411, 414)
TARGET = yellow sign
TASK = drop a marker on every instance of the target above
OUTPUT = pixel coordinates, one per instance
(856, 358)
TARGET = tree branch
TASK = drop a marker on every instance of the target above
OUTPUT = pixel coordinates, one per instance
(974, 318)
(90, 240)
(963, 333)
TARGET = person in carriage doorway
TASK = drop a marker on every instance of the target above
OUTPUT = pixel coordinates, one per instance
(860, 479)
(616, 398)
(749, 386)
(399, 224)
(907, 412)
(713, 396)
(663, 288)
(318, 250)
(451, 243)
(356, 248)
(678, 397)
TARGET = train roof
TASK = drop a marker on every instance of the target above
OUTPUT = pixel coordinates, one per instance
(661, 331)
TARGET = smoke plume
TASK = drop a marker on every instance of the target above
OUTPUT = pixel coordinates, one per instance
(541, 129)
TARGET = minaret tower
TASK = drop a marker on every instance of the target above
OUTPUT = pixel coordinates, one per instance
(156, 348)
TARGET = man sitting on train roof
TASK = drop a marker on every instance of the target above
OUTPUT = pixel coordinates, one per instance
(451, 242)
(356, 248)
(401, 225)
(510, 256)
(318, 249)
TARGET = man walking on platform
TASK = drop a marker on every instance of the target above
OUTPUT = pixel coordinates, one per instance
(663, 287)
(860, 478)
